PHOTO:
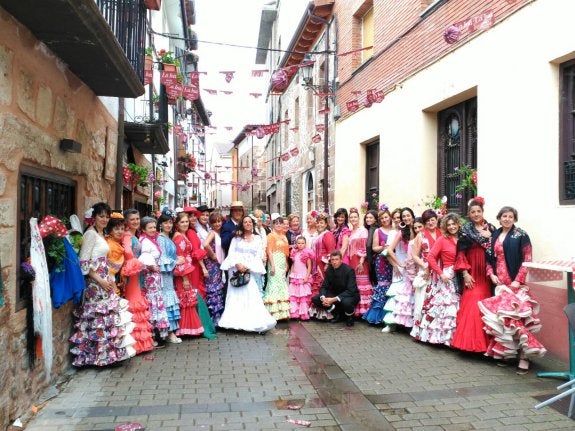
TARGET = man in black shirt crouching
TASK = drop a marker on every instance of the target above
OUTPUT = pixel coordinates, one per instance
(338, 293)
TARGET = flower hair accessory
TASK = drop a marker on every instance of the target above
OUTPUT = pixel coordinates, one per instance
(89, 215)
(314, 213)
(383, 207)
(168, 212)
(353, 210)
(476, 199)
(117, 215)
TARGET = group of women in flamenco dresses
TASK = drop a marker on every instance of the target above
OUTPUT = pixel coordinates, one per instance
(139, 291)
(151, 281)
(459, 286)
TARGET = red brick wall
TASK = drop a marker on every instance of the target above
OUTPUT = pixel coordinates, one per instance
(403, 42)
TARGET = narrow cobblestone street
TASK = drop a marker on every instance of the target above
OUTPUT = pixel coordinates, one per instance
(343, 379)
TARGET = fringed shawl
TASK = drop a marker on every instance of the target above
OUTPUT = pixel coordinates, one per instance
(515, 246)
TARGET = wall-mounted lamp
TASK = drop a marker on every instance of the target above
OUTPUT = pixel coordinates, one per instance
(306, 75)
(70, 146)
(306, 72)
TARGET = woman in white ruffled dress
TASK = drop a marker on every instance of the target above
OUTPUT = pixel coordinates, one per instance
(441, 303)
(244, 309)
(397, 255)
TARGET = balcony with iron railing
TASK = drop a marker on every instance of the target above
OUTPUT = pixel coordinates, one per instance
(101, 42)
(127, 20)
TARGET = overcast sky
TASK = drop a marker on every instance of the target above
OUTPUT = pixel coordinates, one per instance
(230, 22)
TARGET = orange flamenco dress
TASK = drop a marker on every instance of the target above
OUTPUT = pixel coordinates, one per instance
(138, 304)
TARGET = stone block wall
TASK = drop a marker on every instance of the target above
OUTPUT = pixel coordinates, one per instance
(42, 102)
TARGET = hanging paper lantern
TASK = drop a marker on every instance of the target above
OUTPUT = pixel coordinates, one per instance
(260, 133)
(280, 79)
(451, 34)
(352, 105)
(207, 176)
(254, 172)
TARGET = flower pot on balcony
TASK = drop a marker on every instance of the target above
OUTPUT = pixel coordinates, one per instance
(153, 4)
(169, 67)
(148, 62)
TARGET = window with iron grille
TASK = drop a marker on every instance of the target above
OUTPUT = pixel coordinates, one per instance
(40, 194)
(567, 134)
(457, 146)
(310, 193)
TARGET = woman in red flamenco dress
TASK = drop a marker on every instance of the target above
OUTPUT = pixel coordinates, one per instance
(510, 316)
(471, 260)
(190, 323)
(324, 244)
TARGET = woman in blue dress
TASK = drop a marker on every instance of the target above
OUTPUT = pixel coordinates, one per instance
(168, 260)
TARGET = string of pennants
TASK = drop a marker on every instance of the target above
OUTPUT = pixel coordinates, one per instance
(280, 77)
(237, 184)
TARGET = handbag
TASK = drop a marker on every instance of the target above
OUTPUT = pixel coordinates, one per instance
(240, 279)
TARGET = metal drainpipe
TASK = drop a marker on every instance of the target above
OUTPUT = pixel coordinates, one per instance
(119, 156)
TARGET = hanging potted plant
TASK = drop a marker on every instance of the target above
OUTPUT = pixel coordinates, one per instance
(153, 4)
(148, 59)
(139, 175)
(168, 60)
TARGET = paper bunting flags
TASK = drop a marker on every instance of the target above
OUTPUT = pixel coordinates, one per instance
(148, 76)
(168, 77)
(229, 75)
(258, 73)
(191, 92)
(470, 25)
(352, 105)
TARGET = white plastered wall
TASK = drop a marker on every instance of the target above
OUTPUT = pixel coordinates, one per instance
(513, 71)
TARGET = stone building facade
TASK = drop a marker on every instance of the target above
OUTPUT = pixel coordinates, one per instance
(42, 102)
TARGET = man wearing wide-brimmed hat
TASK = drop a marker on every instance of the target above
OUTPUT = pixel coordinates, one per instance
(229, 226)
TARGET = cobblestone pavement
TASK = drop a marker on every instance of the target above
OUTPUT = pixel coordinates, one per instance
(343, 379)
